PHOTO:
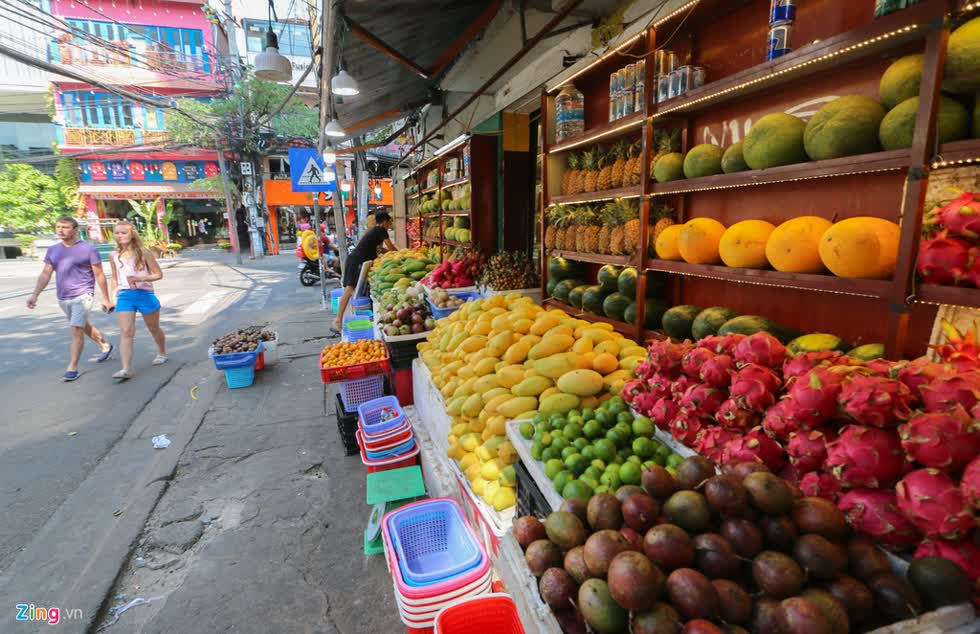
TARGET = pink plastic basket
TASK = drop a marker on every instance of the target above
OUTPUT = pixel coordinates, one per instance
(422, 605)
(495, 613)
(486, 587)
(386, 434)
(397, 462)
(387, 443)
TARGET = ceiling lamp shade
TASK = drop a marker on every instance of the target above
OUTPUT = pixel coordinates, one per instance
(343, 84)
(270, 64)
(329, 158)
(334, 129)
(377, 191)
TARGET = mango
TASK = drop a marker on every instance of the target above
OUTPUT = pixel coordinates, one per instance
(559, 403)
(485, 366)
(510, 376)
(580, 382)
(630, 363)
(555, 366)
(497, 401)
(492, 393)
(544, 323)
(516, 405)
(467, 461)
(523, 326)
(582, 346)
(609, 346)
(517, 352)
(532, 386)
(604, 363)
(472, 406)
(551, 345)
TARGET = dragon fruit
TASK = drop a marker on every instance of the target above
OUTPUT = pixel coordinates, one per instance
(881, 367)
(645, 402)
(807, 450)
(665, 357)
(865, 457)
(820, 485)
(945, 440)
(755, 387)
(875, 400)
(875, 513)
(710, 441)
(659, 384)
(754, 447)
(717, 371)
(735, 418)
(952, 388)
(685, 427)
(760, 348)
(663, 412)
(970, 484)
(960, 217)
(680, 385)
(790, 473)
(943, 260)
(633, 388)
(644, 371)
(721, 344)
(814, 396)
(965, 553)
(693, 359)
(777, 422)
(801, 363)
(703, 400)
(960, 350)
(917, 373)
(933, 502)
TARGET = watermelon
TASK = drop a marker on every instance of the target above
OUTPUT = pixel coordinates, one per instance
(629, 315)
(677, 321)
(608, 277)
(550, 287)
(816, 342)
(627, 282)
(575, 296)
(592, 299)
(653, 313)
(656, 283)
(614, 306)
(565, 287)
(868, 352)
(746, 325)
(563, 269)
(710, 320)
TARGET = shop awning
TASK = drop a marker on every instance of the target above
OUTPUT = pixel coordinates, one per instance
(122, 192)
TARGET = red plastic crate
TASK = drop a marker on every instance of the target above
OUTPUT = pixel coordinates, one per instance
(260, 361)
(354, 372)
(401, 381)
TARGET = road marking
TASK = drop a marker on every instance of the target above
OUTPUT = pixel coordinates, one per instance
(256, 299)
(205, 303)
(168, 299)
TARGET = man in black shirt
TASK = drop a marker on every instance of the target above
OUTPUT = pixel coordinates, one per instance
(365, 251)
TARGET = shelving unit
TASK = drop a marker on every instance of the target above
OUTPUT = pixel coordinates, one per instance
(839, 49)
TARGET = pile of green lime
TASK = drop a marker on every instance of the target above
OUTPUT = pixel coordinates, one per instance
(596, 450)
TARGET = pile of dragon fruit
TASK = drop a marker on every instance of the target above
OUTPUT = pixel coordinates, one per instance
(894, 444)
(455, 273)
(950, 250)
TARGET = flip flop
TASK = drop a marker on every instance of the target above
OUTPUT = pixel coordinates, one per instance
(105, 355)
(160, 359)
(123, 375)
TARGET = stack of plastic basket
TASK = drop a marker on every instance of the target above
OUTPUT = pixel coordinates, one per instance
(385, 435)
(434, 558)
(495, 613)
(239, 367)
(361, 307)
(357, 328)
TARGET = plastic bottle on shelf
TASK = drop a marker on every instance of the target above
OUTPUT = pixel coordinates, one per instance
(569, 113)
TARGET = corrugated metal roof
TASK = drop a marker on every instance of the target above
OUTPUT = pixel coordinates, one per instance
(418, 29)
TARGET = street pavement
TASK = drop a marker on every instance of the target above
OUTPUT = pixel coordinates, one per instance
(78, 477)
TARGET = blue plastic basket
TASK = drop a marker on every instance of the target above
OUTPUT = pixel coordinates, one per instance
(361, 303)
(238, 377)
(335, 295)
(432, 542)
(353, 393)
(394, 452)
(439, 313)
(358, 328)
(236, 359)
(370, 415)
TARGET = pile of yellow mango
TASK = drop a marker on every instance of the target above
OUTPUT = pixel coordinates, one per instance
(504, 358)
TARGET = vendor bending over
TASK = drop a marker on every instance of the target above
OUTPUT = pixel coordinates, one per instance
(366, 250)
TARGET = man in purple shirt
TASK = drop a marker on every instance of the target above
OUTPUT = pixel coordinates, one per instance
(78, 267)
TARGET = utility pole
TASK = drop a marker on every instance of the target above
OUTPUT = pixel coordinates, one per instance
(225, 176)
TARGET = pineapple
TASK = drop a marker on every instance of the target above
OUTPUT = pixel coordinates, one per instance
(578, 183)
(619, 166)
(583, 219)
(631, 228)
(592, 232)
(560, 214)
(551, 226)
(567, 175)
(665, 143)
(606, 218)
(605, 180)
(574, 169)
(617, 236)
(664, 217)
(591, 171)
(633, 165)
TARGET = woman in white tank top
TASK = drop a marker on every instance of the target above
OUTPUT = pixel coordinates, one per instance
(134, 269)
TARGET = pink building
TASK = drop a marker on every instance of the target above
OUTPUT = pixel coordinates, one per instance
(164, 50)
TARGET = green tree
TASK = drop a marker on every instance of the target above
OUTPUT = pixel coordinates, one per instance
(145, 212)
(66, 178)
(30, 200)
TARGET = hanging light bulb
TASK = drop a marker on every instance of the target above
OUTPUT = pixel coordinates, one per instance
(343, 84)
(334, 129)
(329, 158)
(270, 64)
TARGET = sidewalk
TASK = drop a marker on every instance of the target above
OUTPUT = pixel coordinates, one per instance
(260, 529)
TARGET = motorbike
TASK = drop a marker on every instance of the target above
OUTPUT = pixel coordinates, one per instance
(309, 270)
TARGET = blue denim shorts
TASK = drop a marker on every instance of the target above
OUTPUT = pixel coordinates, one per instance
(141, 301)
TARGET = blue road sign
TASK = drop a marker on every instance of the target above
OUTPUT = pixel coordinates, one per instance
(307, 172)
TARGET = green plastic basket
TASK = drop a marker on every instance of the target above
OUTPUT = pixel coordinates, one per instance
(395, 484)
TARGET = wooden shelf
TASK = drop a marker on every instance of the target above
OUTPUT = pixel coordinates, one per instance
(596, 258)
(861, 164)
(604, 132)
(413, 196)
(889, 32)
(461, 181)
(431, 214)
(633, 191)
(430, 190)
(628, 330)
(456, 212)
(454, 243)
(957, 152)
(763, 277)
(953, 295)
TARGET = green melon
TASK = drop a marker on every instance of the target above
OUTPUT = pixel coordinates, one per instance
(844, 127)
(575, 295)
(656, 283)
(461, 222)
(746, 325)
(901, 80)
(626, 284)
(962, 72)
(614, 305)
(703, 160)
(608, 277)
(629, 315)
(550, 286)
(653, 312)
(868, 352)
(564, 288)
(710, 320)
(775, 139)
(561, 268)
(898, 125)
(592, 299)
(669, 167)
(677, 321)
(732, 160)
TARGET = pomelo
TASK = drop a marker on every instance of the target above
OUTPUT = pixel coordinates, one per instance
(898, 126)
(703, 160)
(732, 160)
(962, 71)
(670, 167)
(794, 246)
(844, 127)
(743, 245)
(775, 139)
(698, 240)
(901, 80)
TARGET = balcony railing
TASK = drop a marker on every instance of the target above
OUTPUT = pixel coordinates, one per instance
(90, 137)
(151, 57)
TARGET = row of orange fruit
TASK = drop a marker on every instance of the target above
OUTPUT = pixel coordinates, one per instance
(351, 353)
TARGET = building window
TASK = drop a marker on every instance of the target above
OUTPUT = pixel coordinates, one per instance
(157, 47)
(294, 39)
(89, 109)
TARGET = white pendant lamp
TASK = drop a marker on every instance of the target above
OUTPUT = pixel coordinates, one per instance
(329, 158)
(270, 64)
(377, 191)
(334, 129)
(343, 84)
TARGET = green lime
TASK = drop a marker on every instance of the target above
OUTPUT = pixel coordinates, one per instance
(592, 482)
(671, 470)
(624, 417)
(648, 464)
(616, 437)
(599, 464)
(560, 443)
(562, 478)
(603, 418)
(625, 430)
(602, 488)
(546, 439)
(605, 449)
(588, 414)
(611, 480)
(617, 400)
(660, 459)
(663, 450)
(552, 467)
(527, 430)
(629, 473)
(588, 451)
(593, 472)
(580, 443)
(643, 447)
(616, 409)
(592, 429)
(576, 420)
(674, 459)
(619, 459)
(536, 449)
(577, 463)
(642, 426)
(576, 489)
(572, 431)
(539, 418)
(624, 452)
(542, 428)
(549, 453)
(613, 466)
(635, 459)
(557, 433)
(557, 420)
(568, 451)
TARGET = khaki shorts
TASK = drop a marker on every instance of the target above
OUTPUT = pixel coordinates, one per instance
(77, 309)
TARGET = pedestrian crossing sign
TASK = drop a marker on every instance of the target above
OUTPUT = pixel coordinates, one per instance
(307, 172)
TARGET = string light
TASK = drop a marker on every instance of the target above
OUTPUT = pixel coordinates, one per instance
(675, 13)
(634, 193)
(742, 280)
(674, 190)
(966, 161)
(607, 55)
(614, 130)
